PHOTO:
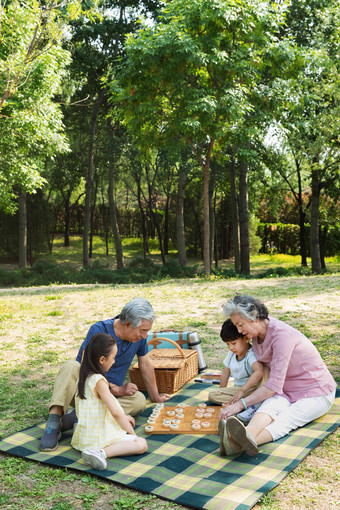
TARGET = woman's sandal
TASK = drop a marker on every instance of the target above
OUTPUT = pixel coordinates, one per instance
(240, 434)
(225, 446)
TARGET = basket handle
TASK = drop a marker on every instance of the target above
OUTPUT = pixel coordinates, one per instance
(154, 342)
(180, 333)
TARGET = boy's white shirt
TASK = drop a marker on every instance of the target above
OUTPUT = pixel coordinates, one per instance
(240, 370)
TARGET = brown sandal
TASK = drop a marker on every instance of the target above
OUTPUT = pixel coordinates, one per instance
(240, 434)
(225, 446)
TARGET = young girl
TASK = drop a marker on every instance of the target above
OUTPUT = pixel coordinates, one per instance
(103, 430)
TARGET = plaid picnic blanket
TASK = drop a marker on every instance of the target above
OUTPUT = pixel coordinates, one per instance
(187, 469)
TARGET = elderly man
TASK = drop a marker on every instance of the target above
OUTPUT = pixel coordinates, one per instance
(130, 329)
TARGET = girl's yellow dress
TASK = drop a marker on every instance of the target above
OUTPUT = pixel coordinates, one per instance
(96, 427)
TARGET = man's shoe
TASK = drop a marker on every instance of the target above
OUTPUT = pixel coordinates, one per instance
(68, 420)
(49, 441)
(95, 458)
(246, 415)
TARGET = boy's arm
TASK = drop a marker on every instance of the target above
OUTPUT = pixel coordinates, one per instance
(125, 421)
(225, 377)
(255, 377)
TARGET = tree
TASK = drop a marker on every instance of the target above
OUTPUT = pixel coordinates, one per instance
(235, 214)
(117, 142)
(30, 125)
(282, 159)
(183, 168)
(180, 230)
(31, 66)
(310, 113)
(189, 75)
(95, 47)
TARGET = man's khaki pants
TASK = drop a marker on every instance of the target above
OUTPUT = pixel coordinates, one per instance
(65, 388)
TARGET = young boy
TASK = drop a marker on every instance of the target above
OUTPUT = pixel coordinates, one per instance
(241, 364)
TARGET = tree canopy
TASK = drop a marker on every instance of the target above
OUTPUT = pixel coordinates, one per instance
(191, 74)
(186, 121)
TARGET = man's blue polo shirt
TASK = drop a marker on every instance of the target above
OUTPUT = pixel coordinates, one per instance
(125, 353)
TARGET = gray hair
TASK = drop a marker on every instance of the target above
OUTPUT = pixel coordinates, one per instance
(247, 306)
(135, 311)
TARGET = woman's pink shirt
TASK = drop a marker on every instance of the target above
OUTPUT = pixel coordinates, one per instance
(296, 367)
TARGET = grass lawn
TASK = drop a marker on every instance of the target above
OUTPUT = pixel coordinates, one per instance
(133, 247)
(43, 326)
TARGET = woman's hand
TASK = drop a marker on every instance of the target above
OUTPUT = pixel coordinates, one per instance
(230, 410)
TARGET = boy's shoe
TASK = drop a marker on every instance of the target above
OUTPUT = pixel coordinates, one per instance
(95, 458)
(246, 415)
(68, 420)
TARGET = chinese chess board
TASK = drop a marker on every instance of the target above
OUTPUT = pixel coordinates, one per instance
(185, 423)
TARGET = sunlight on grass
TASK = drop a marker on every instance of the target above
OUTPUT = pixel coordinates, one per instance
(133, 247)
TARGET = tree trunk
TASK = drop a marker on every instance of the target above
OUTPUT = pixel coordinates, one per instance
(180, 231)
(113, 220)
(322, 238)
(314, 224)
(302, 219)
(244, 218)
(47, 217)
(235, 216)
(89, 178)
(302, 237)
(166, 224)
(159, 234)
(206, 222)
(106, 225)
(302, 215)
(224, 231)
(143, 217)
(22, 230)
(30, 259)
(198, 238)
(215, 234)
(92, 214)
(205, 165)
(154, 216)
(212, 182)
(67, 220)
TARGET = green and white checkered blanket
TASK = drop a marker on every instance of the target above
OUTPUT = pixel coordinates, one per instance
(187, 469)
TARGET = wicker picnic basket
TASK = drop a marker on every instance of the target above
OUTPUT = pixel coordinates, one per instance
(173, 368)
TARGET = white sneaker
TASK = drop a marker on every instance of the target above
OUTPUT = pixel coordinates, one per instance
(246, 415)
(95, 458)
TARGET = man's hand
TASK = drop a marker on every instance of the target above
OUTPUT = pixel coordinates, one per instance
(162, 397)
(230, 410)
(126, 390)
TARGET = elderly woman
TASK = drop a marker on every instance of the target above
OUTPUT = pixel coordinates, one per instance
(300, 388)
